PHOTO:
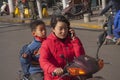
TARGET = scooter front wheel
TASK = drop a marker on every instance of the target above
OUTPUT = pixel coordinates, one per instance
(81, 78)
(96, 78)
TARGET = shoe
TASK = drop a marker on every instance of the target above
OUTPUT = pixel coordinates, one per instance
(108, 41)
(114, 39)
(109, 37)
(118, 42)
(25, 78)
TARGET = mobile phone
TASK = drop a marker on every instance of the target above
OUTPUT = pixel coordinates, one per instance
(70, 34)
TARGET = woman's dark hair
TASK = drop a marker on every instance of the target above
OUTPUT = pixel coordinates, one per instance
(34, 24)
(56, 18)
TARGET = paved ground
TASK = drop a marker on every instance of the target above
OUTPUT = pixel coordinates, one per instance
(95, 21)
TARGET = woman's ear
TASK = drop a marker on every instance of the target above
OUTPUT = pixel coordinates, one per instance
(53, 30)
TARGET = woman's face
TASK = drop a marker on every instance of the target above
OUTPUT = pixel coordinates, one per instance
(61, 30)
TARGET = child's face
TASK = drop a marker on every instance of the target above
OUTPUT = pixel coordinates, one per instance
(61, 30)
(40, 31)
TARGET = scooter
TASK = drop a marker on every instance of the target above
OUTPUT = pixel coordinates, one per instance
(74, 11)
(57, 9)
(83, 67)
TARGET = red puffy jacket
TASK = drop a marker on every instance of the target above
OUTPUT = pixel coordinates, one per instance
(51, 50)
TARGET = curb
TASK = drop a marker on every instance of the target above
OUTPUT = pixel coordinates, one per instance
(86, 25)
(14, 20)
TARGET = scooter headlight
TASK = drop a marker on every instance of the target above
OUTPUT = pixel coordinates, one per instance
(76, 71)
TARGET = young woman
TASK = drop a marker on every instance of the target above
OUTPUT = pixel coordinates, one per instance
(61, 42)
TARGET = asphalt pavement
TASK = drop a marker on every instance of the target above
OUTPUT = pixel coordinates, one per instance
(95, 21)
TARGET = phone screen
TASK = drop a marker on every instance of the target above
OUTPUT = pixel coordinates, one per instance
(69, 33)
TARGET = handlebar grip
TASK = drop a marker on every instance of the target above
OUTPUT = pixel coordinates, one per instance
(54, 74)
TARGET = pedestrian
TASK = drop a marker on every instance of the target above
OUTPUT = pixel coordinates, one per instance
(44, 9)
(21, 9)
(33, 9)
(116, 30)
(29, 58)
(62, 41)
(87, 6)
(114, 5)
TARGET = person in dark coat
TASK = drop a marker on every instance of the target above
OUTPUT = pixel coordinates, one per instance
(114, 5)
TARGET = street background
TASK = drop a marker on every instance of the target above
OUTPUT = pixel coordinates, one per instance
(14, 36)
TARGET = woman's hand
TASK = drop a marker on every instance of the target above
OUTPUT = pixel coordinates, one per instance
(72, 32)
(58, 71)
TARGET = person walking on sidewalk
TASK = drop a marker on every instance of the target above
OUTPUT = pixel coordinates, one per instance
(114, 5)
(21, 8)
(33, 9)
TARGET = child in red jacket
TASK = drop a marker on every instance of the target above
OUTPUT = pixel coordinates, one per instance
(61, 41)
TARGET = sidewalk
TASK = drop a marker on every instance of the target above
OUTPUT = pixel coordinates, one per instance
(95, 21)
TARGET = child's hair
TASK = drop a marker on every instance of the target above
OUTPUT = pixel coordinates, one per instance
(34, 24)
(56, 18)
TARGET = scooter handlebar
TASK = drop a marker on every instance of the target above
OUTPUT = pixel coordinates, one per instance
(54, 74)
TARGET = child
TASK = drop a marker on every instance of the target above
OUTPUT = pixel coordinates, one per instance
(29, 59)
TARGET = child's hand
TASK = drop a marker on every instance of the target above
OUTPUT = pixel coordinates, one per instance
(24, 55)
(36, 52)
